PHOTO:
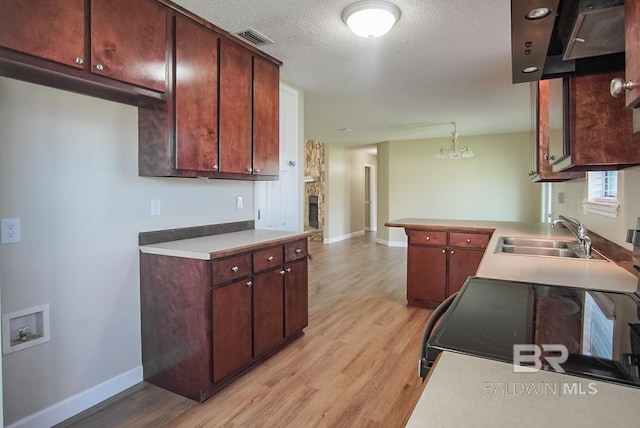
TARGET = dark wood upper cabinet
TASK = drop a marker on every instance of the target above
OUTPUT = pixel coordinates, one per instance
(632, 50)
(196, 97)
(54, 30)
(600, 128)
(235, 108)
(208, 103)
(266, 120)
(544, 158)
(128, 42)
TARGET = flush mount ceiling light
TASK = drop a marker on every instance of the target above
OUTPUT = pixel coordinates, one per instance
(371, 18)
(454, 152)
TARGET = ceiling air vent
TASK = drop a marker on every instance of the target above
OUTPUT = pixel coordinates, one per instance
(253, 37)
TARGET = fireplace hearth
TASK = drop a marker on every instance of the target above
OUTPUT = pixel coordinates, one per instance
(313, 211)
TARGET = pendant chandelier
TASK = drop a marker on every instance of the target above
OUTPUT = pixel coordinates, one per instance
(454, 152)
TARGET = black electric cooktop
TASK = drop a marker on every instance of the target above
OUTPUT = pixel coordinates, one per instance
(600, 329)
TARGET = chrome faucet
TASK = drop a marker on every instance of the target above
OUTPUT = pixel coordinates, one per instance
(583, 239)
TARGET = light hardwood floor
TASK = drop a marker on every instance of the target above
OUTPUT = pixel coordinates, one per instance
(356, 365)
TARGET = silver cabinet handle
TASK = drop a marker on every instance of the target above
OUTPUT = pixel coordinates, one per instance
(99, 67)
(618, 86)
(235, 269)
(444, 251)
(282, 272)
(468, 240)
(452, 252)
(298, 250)
(249, 170)
(249, 283)
(288, 270)
(427, 238)
(215, 167)
(78, 60)
(257, 171)
(270, 258)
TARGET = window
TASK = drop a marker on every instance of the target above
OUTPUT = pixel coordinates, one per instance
(602, 188)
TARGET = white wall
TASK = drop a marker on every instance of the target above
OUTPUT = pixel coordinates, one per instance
(68, 169)
(493, 185)
(344, 214)
(614, 230)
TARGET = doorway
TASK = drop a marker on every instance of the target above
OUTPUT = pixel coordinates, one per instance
(370, 218)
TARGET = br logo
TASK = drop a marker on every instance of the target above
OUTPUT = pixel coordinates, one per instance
(531, 356)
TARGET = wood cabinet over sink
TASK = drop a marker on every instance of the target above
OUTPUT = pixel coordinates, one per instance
(208, 103)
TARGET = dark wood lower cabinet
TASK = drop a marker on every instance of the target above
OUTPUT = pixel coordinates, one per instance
(231, 328)
(462, 264)
(206, 322)
(268, 312)
(296, 297)
(426, 275)
(440, 260)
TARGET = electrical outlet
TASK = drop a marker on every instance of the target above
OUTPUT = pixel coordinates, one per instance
(10, 230)
(239, 203)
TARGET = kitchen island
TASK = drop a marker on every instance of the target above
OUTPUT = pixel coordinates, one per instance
(464, 390)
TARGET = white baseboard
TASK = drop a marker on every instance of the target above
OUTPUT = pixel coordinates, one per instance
(343, 237)
(402, 244)
(78, 403)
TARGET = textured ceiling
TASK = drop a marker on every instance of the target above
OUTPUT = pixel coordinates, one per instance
(444, 61)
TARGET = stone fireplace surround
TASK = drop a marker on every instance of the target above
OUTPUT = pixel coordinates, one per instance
(314, 160)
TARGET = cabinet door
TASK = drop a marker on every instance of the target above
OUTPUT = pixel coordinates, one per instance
(601, 127)
(632, 50)
(266, 137)
(545, 171)
(52, 29)
(196, 97)
(296, 297)
(426, 275)
(231, 328)
(128, 42)
(235, 108)
(268, 311)
(462, 264)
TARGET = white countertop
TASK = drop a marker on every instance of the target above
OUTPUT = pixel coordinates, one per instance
(215, 246)
(465, 391)
(594, 274)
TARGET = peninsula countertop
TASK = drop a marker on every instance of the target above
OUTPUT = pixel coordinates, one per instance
(595, 274)
(217, 246)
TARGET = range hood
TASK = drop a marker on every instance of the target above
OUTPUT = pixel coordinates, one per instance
(576, 37)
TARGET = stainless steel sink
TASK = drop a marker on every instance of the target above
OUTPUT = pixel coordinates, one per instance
(530, 242)
(544, 248)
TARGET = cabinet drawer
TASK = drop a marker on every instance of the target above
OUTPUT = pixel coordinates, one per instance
(295, 250)
(267, 259)
(427, 237)
(468, 240)
(231, 268)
